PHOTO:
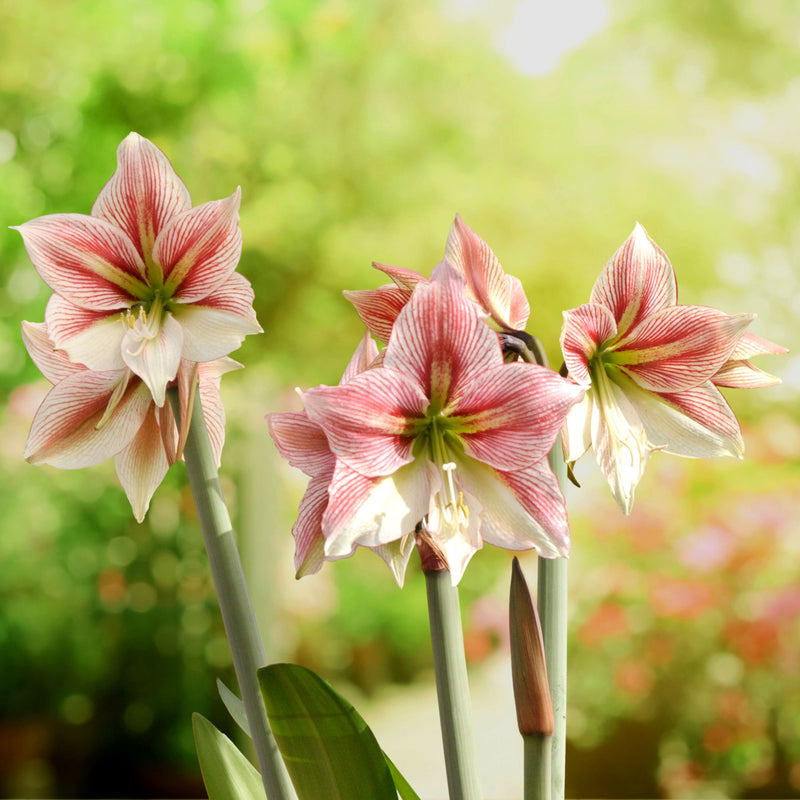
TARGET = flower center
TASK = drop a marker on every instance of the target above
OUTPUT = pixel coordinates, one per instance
(143, 324)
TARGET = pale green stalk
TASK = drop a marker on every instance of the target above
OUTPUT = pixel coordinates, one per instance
(538, 760)
(234, 601)
(452, 687)
(552, 602)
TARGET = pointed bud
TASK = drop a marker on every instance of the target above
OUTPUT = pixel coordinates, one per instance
(528, 669)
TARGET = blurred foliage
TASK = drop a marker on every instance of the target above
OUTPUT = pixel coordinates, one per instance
(357, 128)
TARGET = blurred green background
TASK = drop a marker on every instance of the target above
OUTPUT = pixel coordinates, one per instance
(357, 129)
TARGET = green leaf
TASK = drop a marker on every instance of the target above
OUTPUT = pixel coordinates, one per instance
(329, 750)
(400, 783)
(235, 707)
(227, 774)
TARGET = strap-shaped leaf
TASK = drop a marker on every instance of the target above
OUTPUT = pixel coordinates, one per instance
(400, 783)
(329, 750)
(227, 774)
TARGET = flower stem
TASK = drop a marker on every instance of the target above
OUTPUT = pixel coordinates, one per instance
(538, 761)
(452, 687)
(234, 601)
(552, 603)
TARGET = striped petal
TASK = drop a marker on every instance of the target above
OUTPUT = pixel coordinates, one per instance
(440, 341)
(521, 510)
(396, 554)
(743, 375)
(584, 331)
(143, 195)
(638, 281)
(200, 248)
(65, 429)
(301, 442)
(370, 420)
(750, 345)
(53, 364)
(373, 512)
(363, 358)
(210, 375)
(91, 338)
(154, 353)
(379, 308)
(90, 262)
(696, 423)
(679, 347)
(217, 325)
(309, 543)
(512, 416)
(486, 283)
(142, 465)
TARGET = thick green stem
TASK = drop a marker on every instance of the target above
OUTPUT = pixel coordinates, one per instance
(452, 687)
(538, 772)
(552, 603)
(234, 600)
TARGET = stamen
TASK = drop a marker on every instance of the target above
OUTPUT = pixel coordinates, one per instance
(114, 400)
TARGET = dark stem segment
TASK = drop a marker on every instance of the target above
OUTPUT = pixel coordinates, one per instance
(234, 600)
(538, 779)
(452, 688)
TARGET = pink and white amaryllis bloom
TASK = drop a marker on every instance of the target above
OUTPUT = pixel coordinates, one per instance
(650, 367)
(304, 445)
(500, 297)
(145, 280)
(88, 417)
(444, 438)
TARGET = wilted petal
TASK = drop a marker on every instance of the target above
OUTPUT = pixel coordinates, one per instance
(153, 352)
(218, 324)
(143, 195)
(363, 511)
(695, 423)
(487, 284)
(369, 421)
(511, 417)
(638, 281)
(199, 249)
(679, 347)
(88, 261)
(142, 465)
(91, 338)
(585, 329)
(54, 365)
(440, 341)
(64, 431)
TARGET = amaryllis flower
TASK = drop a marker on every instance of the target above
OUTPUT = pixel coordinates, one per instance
(88, 417)
(444, 438)
(650, 367)
(304, 445)
(500, 297)
(146, 280)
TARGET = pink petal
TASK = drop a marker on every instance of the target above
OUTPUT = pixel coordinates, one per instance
(91, 338)
(379, 308)
(213, 410)
(750, 345)
(155, 360)
(487, 284)
(54, 365)
(695, 423)
(402, 277)
(309, 552)
(440, 342)
(302, 442)
(174, 435)
(373, 512)
(87, 260)
(679, 347)
(218, 324)
(143, 195)
(369, 421)
(142, 465)
(511, 417)
(364, 357)
(742, 375)
(199, 249)
(638, 281)
(585, 329)
(64, 432)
